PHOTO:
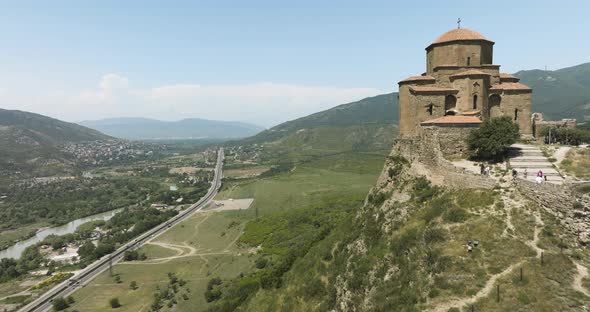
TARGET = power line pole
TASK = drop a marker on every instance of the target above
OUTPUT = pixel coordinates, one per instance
(111, 265)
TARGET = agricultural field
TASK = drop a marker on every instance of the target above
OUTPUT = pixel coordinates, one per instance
(232, 245)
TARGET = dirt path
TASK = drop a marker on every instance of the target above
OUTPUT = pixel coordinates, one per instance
(509, 203)
(560, 154)
(226, 249)
(202, 221)
(180, 249)
(577, 283)
(486, 290)
(533, 243)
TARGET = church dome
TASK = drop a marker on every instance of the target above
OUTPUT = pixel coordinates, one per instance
(460, 34)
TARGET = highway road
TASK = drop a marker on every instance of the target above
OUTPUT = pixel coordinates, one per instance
(44, 302)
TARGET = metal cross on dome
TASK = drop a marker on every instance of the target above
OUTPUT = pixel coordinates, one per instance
(458, 23)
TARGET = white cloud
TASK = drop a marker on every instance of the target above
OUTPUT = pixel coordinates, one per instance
(262, 103)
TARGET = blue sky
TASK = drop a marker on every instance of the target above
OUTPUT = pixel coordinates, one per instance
(257, 61)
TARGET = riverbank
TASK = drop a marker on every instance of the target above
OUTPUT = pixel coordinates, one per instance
(16, 249)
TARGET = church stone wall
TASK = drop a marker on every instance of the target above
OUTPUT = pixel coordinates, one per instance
(420, 103)
(467, 89)
(457, 53)
(406, 111)
(514, 100)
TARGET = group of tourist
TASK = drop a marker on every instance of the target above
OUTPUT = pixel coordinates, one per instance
(540, 178)
(484, 170)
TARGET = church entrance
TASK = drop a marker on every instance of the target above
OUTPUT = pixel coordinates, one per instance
(450, 105)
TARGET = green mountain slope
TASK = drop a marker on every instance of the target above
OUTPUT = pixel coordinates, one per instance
(563, 93)
(28, 140)
(367, 124)
(144, 128)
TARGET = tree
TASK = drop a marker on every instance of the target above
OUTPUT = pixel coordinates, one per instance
(70, 300)
(133, 285)
(492, 139)
(60, 304)
(114, 302)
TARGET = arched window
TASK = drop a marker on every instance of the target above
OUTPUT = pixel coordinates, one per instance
(468, 61)
(475, 101)
(430, 109)
(515, 114)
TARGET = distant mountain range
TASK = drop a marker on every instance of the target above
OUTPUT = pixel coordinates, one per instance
(152, 129)
(371, 123)
(562, 93)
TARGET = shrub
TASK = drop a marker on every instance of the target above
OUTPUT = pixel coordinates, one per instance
(492, 139)
(70, 300)
(114, 302)
(261, 263)
(133, 285)
(60, 304)
(455, 215)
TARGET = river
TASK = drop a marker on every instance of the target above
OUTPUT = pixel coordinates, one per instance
(17, 249)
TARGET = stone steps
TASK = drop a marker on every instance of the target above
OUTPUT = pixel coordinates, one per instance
(531, 158)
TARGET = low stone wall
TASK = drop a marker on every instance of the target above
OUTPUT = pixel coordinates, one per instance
(426, 151)
(451, 140)
(572, 209)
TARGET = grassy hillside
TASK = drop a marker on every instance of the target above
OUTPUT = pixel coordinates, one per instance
(405, 250)
(144, 128)
(27, 137)
(47, 129)
(563, 93)
(377, 110)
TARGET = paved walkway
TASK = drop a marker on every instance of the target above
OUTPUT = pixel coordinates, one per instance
(530, 158)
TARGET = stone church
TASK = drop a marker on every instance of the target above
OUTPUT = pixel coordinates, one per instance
(460, 88)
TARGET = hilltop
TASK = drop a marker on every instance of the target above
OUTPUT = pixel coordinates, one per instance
(193, 128)
(28, 140)
(562, 93)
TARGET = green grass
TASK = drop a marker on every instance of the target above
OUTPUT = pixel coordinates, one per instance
(532, 294)
(309, 183)
(577, 163)
(216, 256)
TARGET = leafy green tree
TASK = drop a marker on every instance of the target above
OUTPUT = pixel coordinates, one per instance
(565, 135)
(70, 300)
(133, 285)
(60, 304)
(492, 139)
